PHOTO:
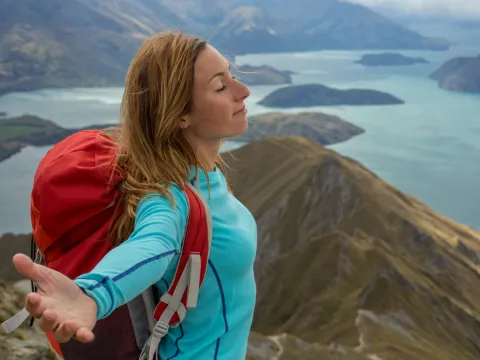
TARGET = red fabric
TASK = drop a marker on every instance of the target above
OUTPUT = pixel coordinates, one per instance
(195, 242)
(71, 212)
(73, 189)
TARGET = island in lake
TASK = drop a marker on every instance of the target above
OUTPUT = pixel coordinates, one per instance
(29, 130)
(459, 74)
(389, 59)
(319, 127)
(262, 75)
(320, 95)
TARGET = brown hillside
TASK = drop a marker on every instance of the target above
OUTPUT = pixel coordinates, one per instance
(322, 128)
(348, 267)
(345, 258)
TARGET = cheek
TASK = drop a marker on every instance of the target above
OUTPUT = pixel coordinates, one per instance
(216, 111)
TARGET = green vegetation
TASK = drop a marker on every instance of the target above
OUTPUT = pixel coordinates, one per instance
(20, 131)
(10, 132)
(22, 126)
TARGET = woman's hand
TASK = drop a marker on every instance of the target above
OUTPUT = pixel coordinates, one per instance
(59, 304)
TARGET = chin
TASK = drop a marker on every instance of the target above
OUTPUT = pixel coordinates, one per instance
(237, 127)
(243, 126)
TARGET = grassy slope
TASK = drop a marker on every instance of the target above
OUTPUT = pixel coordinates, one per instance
(344, 257)
(348, 264)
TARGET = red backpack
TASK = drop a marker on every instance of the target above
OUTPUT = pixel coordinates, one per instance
(73, 203)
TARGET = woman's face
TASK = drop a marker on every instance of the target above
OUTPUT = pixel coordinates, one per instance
(218, 107)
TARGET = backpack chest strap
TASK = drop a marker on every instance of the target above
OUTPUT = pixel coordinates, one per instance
(179, 298)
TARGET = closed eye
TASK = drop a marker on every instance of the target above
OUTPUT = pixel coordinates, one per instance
(225, 86)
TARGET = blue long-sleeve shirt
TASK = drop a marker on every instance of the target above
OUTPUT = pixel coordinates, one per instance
(218, 327)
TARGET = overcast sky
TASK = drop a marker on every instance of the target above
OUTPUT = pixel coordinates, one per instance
(458, 7)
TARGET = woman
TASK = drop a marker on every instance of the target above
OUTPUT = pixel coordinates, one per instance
(180, 102)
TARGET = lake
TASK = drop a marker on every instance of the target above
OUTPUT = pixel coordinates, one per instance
(428, 148)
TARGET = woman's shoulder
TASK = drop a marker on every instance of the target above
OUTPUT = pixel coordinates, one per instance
(156, 203)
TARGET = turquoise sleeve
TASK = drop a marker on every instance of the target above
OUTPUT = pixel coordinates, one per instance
(139, 262)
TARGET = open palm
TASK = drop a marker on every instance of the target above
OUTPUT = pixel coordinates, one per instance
(59, 304)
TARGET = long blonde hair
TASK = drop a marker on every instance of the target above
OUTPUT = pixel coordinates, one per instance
(152, 152)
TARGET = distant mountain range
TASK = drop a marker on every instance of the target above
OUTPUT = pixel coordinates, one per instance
(65, 43)
(314, 25)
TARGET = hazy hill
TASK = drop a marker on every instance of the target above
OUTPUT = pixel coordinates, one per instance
(327, 24)
(389, 59)
(348, 267)
(307, 95)
(65, 43)
(459, 74)
(322, 128)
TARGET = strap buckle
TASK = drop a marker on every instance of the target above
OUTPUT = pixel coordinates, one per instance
(160, 329)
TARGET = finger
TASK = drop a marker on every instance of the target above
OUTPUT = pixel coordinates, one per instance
(84, 335)
(65, 332)
(34, 305)
(49, 321)
(26, 267)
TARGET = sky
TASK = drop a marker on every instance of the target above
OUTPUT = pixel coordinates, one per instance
(468, 8)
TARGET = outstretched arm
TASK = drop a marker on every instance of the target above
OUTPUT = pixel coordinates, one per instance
(141, 261)
(60, 304)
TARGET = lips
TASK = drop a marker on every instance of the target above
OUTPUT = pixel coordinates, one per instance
(239, 111)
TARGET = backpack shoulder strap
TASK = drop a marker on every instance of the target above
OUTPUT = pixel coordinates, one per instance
(189, 275)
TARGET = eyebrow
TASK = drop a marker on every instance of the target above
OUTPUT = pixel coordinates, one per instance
(221, 73)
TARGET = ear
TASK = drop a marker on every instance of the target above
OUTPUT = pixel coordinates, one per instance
(184, 122)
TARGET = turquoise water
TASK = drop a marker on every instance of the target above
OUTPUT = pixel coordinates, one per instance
(428, 147)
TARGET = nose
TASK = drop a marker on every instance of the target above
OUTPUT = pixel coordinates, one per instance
(242, 92)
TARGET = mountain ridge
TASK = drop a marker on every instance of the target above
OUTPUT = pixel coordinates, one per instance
(347, 265)
(90, 43)
(344, 257)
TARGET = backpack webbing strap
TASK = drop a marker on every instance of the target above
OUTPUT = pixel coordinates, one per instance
(16, 320)
(190, 282)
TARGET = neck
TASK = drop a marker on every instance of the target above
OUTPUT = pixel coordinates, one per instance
(206, 152)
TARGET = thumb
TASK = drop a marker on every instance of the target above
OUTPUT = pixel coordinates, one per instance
(26, 267)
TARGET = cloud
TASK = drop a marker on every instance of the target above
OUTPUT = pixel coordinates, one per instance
(453, 7)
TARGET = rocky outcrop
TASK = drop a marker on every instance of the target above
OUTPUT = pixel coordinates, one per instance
(320, 95)
(25, 343)
(459, 74)
(322, 128)
(289, 347)
(389, 59)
